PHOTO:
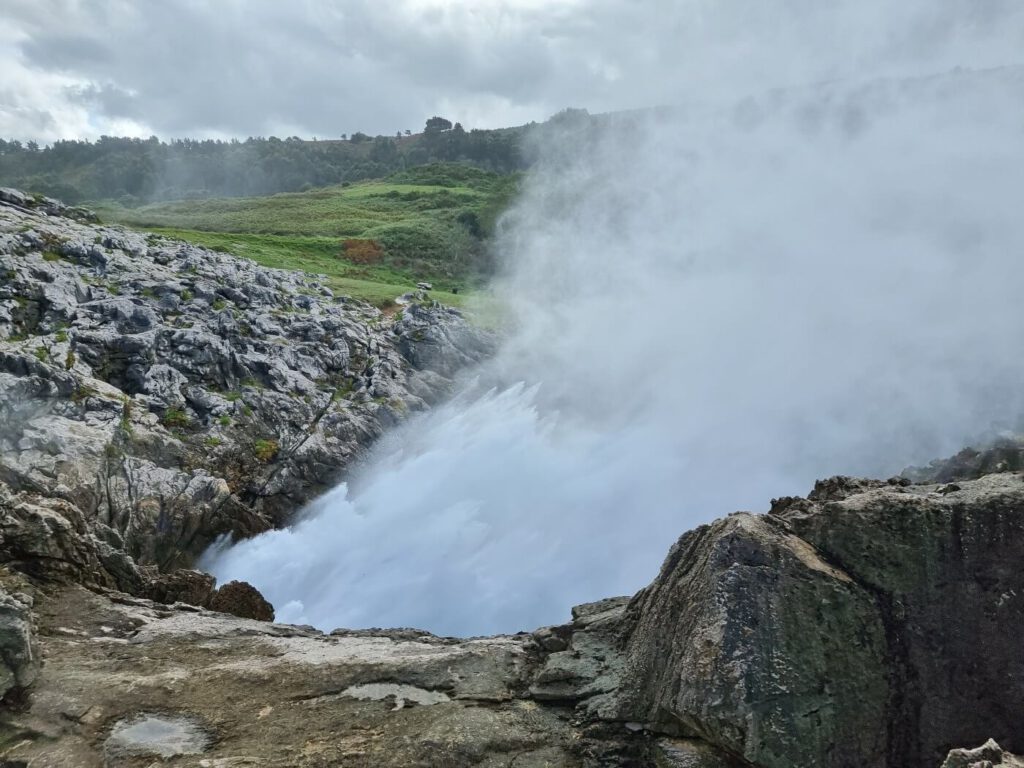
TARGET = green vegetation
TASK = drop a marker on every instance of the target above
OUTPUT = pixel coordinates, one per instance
(82, 393)
(175, 418)
(374, 240)
(265, 450)
(135, 171)
(125, 423)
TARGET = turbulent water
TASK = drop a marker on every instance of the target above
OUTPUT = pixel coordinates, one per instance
(713, 305)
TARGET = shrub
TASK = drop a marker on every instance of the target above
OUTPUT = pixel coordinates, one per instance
(361, 251)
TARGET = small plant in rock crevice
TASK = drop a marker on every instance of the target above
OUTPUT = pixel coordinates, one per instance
(265, 449)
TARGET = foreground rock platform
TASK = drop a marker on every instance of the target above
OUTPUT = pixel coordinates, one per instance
(874, 624)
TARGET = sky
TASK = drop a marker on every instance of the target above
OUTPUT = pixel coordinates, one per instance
(234, 68)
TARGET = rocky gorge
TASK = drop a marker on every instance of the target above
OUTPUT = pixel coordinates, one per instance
(155, 396)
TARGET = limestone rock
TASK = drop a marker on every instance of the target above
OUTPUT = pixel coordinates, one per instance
(181, 586)
(20, 657)
(748, 640)
(867, 626)
(242, 599)
(174, 394)
(988, 755)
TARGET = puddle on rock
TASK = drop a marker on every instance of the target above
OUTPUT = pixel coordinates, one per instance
(161, 735)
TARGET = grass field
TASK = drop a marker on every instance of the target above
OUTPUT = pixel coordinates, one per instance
(429, 223)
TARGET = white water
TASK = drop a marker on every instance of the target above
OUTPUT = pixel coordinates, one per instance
(714, 306)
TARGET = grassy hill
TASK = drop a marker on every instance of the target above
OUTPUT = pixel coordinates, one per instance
(373, 239)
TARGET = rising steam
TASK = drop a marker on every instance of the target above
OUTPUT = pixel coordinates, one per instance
(714, 304)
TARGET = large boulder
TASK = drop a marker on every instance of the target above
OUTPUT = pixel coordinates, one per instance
(871, 625)
(748, 639)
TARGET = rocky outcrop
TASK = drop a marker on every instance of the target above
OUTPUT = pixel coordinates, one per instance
(20, 656)
(873, 624)
(242, 599)
(988, 755)
(167, 395)
(866, 626)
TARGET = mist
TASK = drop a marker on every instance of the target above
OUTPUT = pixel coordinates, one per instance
(712, 304)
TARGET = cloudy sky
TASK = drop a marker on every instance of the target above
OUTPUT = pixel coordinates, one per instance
(83, 68)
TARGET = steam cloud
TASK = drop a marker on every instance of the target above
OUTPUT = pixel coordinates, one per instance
(714, 304)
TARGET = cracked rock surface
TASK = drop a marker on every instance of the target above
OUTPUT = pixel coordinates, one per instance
(157, 395)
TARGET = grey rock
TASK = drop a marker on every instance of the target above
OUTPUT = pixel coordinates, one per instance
(140, 376)
(988, 755)
(20, 656)
(868, 626)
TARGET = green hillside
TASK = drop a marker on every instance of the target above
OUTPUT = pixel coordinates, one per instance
(373, 239)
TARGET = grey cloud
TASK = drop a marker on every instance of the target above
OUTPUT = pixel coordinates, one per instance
(183, 67)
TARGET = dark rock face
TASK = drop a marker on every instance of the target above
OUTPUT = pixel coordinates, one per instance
(181, 586)
(241, 599)
(749, 640)
(1005, 454)
(868, 628)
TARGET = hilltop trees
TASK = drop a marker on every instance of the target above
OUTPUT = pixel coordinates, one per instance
(437, 124)
(135, 171)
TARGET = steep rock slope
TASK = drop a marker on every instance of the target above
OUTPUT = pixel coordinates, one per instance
(168, 394)
(871, 624)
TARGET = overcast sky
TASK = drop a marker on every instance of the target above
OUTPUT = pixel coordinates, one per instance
(221, 68)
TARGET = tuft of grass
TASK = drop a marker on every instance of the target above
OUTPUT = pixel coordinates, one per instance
(186, 295)
(42, 354)
(175, 418)
(82, 393)
(265, 449)
(51, 256)
(61, 336)
(224, 421)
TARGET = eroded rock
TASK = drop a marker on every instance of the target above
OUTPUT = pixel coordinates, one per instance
(20, 656)
(241, 599)
(174, 395)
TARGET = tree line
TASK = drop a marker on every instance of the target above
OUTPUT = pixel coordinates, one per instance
(135, 171)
